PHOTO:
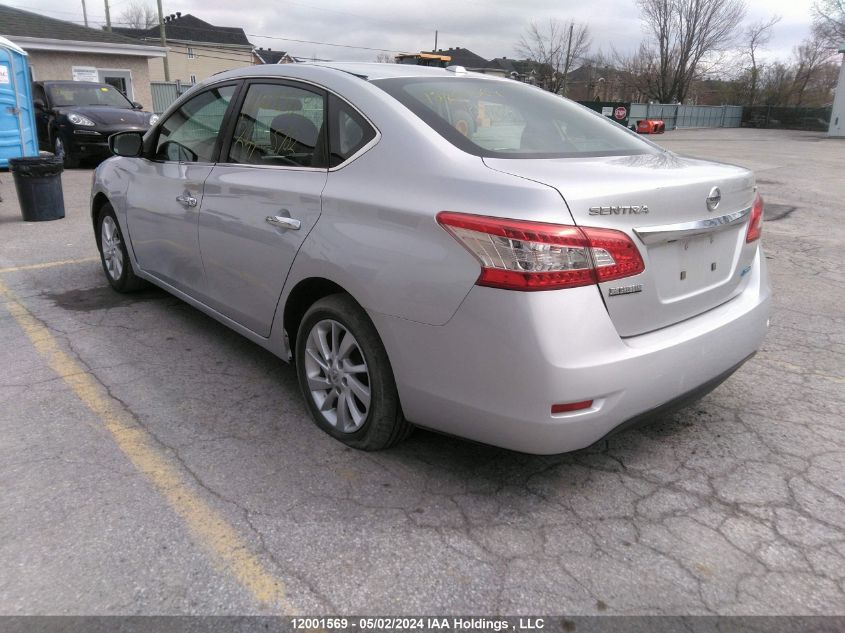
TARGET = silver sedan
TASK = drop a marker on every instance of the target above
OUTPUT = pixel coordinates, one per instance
(442, 249)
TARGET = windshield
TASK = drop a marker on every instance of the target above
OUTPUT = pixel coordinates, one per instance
(86, 94)
(509, 119)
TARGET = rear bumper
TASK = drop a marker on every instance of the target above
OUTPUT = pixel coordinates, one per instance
(493, 371)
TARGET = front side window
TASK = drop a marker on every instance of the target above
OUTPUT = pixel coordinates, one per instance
(508, 119)
(348, 131)
(280, 125)
(189, 135)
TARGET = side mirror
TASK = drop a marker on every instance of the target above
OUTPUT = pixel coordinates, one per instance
(128, 144)
(39, 104)
(137, 105)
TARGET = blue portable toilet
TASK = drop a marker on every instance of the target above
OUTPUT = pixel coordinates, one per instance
(18, 136)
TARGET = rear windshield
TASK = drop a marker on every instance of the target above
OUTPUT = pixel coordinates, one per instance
(509, 119)
(81, 93)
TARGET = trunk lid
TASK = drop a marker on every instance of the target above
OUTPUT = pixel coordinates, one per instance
(695, 258)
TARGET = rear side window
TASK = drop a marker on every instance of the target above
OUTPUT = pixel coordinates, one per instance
(509, 119)
(189, 135)
(280, 125)
(348, 131)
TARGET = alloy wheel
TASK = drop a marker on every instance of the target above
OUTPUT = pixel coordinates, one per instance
(110, 245)
(338, 376)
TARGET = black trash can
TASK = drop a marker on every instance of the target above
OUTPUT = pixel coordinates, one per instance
(39, 184)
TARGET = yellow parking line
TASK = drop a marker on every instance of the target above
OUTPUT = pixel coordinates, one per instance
(63, 262)
(206, 525)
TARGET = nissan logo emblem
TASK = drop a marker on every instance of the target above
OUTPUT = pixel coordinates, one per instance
(714, 199)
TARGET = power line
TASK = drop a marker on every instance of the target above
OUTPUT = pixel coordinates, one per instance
(291, 39)
(268, 37)
(354, 15)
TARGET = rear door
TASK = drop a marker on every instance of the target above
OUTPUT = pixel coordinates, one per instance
(165, 191)
(263, 198)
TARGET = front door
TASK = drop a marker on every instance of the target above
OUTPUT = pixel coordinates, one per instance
(262, 199)
(165, 191)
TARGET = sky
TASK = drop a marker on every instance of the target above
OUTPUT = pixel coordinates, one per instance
(489, 28)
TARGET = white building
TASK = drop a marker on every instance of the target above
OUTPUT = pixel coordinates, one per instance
(837, 117)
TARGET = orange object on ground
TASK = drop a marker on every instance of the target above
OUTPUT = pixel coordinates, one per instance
(651, 126)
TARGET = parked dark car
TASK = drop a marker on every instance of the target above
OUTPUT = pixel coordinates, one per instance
(76, 118)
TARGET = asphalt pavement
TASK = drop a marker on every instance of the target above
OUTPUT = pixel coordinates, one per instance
(154, 462)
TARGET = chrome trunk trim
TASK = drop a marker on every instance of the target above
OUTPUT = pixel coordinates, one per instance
(672, 232)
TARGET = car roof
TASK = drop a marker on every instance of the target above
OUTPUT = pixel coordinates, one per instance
(365, 70)
(375, 70)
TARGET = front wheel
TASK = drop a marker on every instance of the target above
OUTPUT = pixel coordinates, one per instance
(113, 253)
(346, 377)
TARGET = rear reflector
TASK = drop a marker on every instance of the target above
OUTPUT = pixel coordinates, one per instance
(571, 406)
(523, 255)
(755, 224)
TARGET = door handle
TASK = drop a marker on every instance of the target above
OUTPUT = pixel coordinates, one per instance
(282, 222)
(187, 200)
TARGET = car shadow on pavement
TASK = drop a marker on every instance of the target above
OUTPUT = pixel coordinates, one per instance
(103, 297)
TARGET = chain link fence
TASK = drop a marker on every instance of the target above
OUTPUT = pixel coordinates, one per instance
(787, 118)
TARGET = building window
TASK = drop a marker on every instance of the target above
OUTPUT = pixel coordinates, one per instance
(191, 54)
(193, 79)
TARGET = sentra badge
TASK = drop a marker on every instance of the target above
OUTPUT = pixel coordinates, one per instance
(632, 209)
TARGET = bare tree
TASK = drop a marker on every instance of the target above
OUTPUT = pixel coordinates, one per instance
(683, 34)
(385, 58)
(829, 22)
(757, 36)
(138, 15)
(776, 84)
(811, 57)
(808, 79)
(554, 50)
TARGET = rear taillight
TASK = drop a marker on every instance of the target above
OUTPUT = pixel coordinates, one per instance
(755, 224)
(522, 255)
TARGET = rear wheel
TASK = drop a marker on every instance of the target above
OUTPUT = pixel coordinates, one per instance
(113, 253)
(346, 378)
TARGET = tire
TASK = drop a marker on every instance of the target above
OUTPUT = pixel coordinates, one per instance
(113, 254)
(59, 150)
(326, 362)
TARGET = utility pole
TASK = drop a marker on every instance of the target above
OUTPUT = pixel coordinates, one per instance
(435, 41)
(163, 34)
(108, 18)
(84, 13)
